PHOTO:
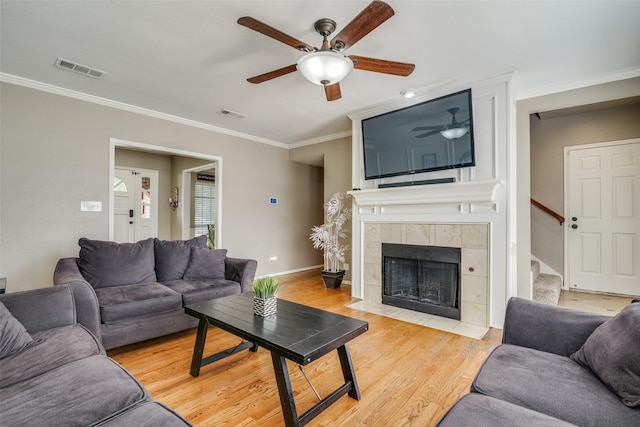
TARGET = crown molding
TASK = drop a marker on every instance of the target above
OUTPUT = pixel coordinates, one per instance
(577, 84)
(45, 87)
(320, 139)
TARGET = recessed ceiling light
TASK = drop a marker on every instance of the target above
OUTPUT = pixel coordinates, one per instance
(408, 93)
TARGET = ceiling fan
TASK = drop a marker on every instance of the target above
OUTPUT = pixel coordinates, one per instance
(453, 130)
(327, 66)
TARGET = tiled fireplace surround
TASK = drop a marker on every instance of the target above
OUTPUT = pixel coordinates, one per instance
(472, 239)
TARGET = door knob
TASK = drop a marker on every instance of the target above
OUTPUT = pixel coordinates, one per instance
(574, 218)
(574, 226)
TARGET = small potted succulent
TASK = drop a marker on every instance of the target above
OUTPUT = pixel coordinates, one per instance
(264, 296)
(327, 237)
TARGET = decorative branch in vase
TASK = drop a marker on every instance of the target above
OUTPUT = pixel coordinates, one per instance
(327, 237)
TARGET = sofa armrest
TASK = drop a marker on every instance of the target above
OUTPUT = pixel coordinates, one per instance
(548, 328)
(240, 270)
(87, 308)
(44, 308)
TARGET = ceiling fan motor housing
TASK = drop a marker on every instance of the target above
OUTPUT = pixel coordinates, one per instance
(325, 26)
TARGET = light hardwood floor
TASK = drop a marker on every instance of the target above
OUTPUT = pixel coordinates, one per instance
(409, 375)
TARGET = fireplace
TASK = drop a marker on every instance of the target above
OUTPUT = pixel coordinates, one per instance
(422, 278)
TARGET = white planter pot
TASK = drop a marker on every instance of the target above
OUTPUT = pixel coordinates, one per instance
(265, 307)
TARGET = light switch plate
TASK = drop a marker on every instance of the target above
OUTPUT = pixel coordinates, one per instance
(86, 206)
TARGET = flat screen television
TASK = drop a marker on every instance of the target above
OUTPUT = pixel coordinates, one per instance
(429, 136)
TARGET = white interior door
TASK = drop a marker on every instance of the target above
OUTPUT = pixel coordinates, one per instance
(135, 204)
(124, 198)
(604, 218)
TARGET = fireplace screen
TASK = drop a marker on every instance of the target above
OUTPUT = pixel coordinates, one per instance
(422, 278)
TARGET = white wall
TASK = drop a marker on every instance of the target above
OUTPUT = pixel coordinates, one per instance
(54, 153)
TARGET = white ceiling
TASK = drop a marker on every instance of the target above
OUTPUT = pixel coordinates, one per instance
(191, 59)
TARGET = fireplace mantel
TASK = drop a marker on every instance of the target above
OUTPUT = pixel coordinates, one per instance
(461, 192)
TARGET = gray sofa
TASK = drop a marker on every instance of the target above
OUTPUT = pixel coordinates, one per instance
(54, 371)
(557, 367)
(140, 288)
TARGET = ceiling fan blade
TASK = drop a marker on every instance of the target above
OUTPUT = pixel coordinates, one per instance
(426, 128)
(366, 21)
(382, 66)
(332, 92)
(424, 135)
(273, 74)
(269, 31)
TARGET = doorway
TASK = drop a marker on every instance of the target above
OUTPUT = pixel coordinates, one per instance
(603, 214)
(201, 189)
(182, 160)
(135, 204)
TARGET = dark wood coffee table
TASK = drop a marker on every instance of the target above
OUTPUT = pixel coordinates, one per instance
(299, 333)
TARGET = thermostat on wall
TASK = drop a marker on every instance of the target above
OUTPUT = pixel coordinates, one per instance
(273, 201)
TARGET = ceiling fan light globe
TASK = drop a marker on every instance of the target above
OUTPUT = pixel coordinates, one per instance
(454, 133)
(324, 67)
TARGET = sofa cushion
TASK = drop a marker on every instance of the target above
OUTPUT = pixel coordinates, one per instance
(13, 336)
(105, 264)
(143, 299)
(51, 348)
(474, 410)
(75, 394)
(205, 264)
(202, 290)
(146, 414)
(552, 384)
(172, 257)
(612, 352)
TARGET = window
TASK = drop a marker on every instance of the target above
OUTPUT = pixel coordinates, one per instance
(119, 185)
(205, 207)
(145, 211)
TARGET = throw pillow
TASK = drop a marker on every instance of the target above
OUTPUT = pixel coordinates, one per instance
(205, 263)
(106, 264)
(13, 336)
(172, 257)
(612, 352)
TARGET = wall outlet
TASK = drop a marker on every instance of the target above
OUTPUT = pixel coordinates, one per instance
(346, 266)
(273, 259)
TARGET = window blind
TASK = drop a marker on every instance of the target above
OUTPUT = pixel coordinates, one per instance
(205, 207)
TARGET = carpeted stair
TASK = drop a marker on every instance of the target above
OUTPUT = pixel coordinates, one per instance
(546, 287)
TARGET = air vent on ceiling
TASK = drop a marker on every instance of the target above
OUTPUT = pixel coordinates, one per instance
(232, 114)
(80, 69)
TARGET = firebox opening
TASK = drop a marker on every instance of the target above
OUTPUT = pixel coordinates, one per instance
(422, 278)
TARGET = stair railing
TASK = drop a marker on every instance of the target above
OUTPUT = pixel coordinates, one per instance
(547, 210)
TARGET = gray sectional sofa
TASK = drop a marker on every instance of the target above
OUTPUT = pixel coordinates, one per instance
(140, 288)
(557, 367)
(54, 371)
